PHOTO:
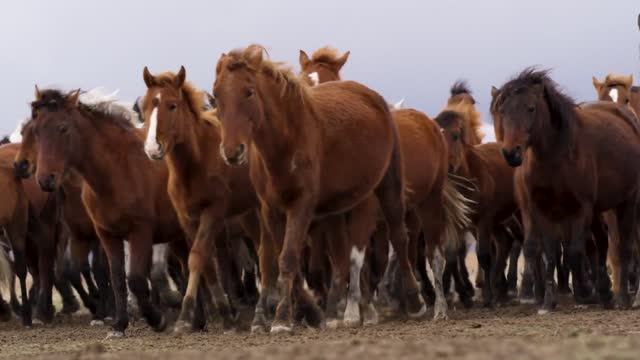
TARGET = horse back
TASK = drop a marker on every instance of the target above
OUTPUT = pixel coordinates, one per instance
(501, 199)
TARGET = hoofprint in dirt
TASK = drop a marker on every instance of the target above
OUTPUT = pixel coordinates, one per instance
(572, 332)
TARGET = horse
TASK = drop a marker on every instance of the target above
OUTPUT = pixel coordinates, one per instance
(292, 136)
(203, 190)
(552, 142)
(324, 65)
(492, 180)
(5, 277)
(5, 140)
(619, 89)
(123, 191)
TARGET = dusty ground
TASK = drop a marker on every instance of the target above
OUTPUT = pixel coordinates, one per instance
(511, 332)
(572, 332)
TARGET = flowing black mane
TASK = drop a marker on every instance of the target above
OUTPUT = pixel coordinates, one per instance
(55, 100)
(460, 87)
(562, 108)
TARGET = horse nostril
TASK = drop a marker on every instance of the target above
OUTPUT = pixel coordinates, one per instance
(517, 149)
(240, 149)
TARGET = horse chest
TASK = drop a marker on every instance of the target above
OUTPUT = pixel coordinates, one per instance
(556, 203)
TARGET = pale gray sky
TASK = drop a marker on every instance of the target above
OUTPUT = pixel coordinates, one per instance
(403, 49)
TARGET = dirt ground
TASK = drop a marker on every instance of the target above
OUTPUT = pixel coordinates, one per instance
(508, 332)
(503, 333)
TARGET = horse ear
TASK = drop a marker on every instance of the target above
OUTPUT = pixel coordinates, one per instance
(212, 101)
(36, 93)
(304, 60)
(494, 91)
(628, 80)
(219, 64)
(342, 60)
(253, 55)
(73, 98)
(149, 80)
(179, 79)
(596, 84)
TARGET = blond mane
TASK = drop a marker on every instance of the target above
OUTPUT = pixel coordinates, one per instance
(281, 73)
(325, 54)
(472, 122)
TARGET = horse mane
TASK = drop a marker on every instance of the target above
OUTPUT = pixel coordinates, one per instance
(290, 83)
(326, 55)
(562, 108)
(93, 103)
(195, 97)
(467, 111)
(612, 80)
(5, 140)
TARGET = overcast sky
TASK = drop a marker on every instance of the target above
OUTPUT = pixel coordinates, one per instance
(403, 49)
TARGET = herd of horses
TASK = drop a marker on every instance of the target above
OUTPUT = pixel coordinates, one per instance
(313, 201)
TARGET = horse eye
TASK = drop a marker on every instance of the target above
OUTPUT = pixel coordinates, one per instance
(455, 137)
(626, 101)
(63, 129)
(249, 93)
(531, 108)
(173, 107)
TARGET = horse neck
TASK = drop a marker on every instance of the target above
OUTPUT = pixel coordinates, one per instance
(286, 121)
(553, 145)
(197, 139)
(105, 145)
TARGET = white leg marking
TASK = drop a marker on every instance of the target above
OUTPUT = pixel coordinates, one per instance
(437, 265)
(352, 312)
(151, 146)
(315, 79)
(613, 93)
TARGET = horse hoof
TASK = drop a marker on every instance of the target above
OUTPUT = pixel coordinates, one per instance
(96, 323)
(181, 327)
(420, 313)
(636, 304)
(351, 322)
(440, 316)
(544, 312)
(527, 301)
(162, 325)
(333, 323)
(370, 316)
(108, 318)
(37, 322)
(257, 329)
(115, 335)
(279, 329)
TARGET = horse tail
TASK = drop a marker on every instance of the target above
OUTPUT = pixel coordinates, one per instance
(5, 269)
(457, 212)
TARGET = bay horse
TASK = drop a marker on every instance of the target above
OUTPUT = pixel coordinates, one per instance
(324, 65)
(492, 178)
(292, 136)
(552, 142)
(123, 191)
(202, 188)
(619, 89)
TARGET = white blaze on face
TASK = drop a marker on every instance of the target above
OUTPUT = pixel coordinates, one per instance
(613, 93)
(151, 146)
(315, 78)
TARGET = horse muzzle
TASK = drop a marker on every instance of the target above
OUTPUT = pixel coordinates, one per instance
(237, 157)
(48, 183)
(514, 156)
(21, 169)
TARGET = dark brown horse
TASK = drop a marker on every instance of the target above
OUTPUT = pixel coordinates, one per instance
(619, 89)
(492, 180)
(203, 189)
(123, 191)
(324, 65)
(567, 173)
(300, 165)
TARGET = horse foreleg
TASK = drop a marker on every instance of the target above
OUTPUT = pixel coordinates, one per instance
(298, 219)
(627, 219)
(114, 249)
(485, 260)
(338, 243)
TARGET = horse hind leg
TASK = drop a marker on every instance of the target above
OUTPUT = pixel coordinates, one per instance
(390, 193)
(160, 278)
(438, 263)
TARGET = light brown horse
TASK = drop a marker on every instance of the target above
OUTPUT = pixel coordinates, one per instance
(324, 65)
(203, 189)
(123, 191)
(301, 165)
(569, 168)
(492, 179)
(619, 89)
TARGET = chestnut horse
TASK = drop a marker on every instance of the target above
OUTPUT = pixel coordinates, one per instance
(123, 192)
(300, 165)
(203, 189)
(493, 192)
(552, 142)
(324, 65)
(619, 89)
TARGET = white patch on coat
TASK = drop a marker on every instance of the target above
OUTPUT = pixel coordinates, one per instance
(151, 146)
(613, 93)
(315, 78)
